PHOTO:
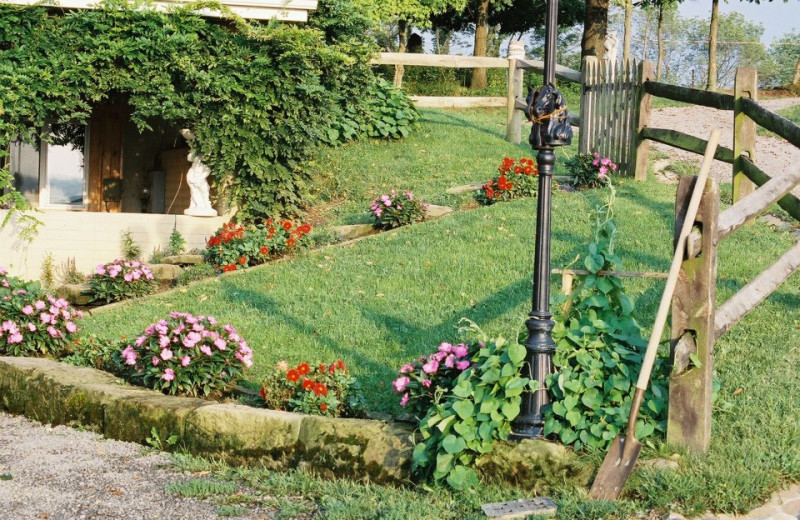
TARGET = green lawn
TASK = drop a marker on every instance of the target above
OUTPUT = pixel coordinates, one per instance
(792, 114)
(381, 301)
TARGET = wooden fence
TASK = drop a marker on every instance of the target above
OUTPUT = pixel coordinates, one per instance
(514, 100)
(609, 96)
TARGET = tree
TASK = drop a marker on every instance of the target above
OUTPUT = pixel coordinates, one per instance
(595, 28)
(626, 38)
(785, 53)
(661, 6)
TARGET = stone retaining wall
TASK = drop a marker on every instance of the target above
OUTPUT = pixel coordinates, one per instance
(368, 450)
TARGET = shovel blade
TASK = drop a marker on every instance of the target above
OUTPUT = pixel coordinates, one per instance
(616, 468)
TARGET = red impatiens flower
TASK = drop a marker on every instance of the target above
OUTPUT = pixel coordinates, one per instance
(308, 384)
(287, 225)
(264, 250)
(303, 368)
(293, 375)
(271, 232)
(322, 367)
(228, 268)
(320, 389)
(290, 242)
(243, 260)
(323, 407)
(340, 364)
(263, 393)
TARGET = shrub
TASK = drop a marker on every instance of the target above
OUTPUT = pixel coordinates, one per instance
(236, 246)
(320, 390)
(176, 243)
(590, 170)
(516, 179)
(424, 381)
(186, 355)
(396, 209)
(599, 349)
(470, 416)
(130, 249)
(32, 322)
(121, 279)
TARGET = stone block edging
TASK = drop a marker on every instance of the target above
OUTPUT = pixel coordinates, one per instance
(360, 449)
(57, 393)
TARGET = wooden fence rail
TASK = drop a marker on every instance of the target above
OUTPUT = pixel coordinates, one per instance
(686, 142)
(689, 95)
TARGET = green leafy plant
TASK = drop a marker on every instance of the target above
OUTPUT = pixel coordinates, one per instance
(48, 277)
(157, 443)
(463, 422)
(396, 209)
(590, 170)
(130, 249)
(516, 179)
(599, 349)
(121, 279)
(93, 351)
(176, 243)
(319, 390)
(67, 272)
(236, 246)
(192, 273)
(32, 322)
(186, 355)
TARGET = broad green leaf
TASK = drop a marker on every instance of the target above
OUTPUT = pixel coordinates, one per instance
(464, 408)
(517, 353)
(510, 410)
(453, 444)
(462, 477)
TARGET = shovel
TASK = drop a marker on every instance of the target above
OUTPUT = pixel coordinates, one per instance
(619, 462)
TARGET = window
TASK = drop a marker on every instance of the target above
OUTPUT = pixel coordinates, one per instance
(56, 170)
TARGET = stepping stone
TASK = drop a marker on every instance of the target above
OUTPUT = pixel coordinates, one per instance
(520, 508)
(456, 190)
(165, 272)
(432, 212)
(183, 259)
(354, 231)
(76, 294)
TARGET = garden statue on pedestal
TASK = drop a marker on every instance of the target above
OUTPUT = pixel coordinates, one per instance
(200, 204)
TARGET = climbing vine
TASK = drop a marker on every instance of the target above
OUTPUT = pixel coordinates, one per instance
(259, 96)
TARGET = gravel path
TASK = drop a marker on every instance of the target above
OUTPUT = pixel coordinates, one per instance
(773, 154)
(60, 473)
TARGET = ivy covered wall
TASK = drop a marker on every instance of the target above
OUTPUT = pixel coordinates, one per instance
(259, 97)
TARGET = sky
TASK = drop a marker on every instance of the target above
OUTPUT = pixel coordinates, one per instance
(777, 17)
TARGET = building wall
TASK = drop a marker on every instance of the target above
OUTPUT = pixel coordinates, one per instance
(94, 238)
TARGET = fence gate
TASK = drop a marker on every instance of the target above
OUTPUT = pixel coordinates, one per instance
(609, 107)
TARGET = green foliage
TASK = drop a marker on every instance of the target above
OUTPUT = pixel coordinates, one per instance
(33, 323)
(318, 390)
(192, 273)
(396, 209)
(463, 422)
(236, 246)
(67, 272)
(177, 243)
(258, 97)
(130, 249)
(93, 351)
(156, 442)
(590, 170)
(516, 179)
(599, 347)
(48, 277)
(120, 280)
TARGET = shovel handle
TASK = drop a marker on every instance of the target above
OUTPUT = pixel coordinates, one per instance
(674, 270)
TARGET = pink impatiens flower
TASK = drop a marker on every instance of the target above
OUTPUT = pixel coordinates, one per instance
(27, 310)
(169, 375)
(430, 367)
(404, 399)
(401, 383)
(166, 354)
(185, 360)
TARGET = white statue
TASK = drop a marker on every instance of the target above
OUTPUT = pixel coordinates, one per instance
(200, 204)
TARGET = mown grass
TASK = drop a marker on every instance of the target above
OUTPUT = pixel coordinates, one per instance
(389, 298)
(791, 113)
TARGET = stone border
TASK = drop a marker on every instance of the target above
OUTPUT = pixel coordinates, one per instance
(359, 449)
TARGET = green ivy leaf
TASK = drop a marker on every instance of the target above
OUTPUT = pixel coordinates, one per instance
(453, 444)
(510, 410)
(462, 477)
(464, 408)
(517, 353)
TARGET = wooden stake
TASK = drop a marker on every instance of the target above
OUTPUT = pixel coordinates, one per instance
(744, 130)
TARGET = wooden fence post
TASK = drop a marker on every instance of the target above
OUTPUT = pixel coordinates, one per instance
(588, 95)
(644, 102)
(693, 329)
(516, 51)
(744, 130)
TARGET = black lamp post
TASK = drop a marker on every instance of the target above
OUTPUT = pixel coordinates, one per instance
(547, 111)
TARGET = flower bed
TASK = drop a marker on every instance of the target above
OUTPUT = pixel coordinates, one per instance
(515, 179)
(237, 246)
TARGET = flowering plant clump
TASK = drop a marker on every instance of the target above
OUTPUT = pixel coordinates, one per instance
(186, 355)
(591, 170)
(121, 279)
(320, 390)
(32, 322)
(515, 179)
(422, 382)
(396, 209)
(235, 246)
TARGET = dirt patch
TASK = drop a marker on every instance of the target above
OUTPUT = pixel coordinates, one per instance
(773, 154)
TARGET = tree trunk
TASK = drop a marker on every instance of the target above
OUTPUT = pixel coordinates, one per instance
(660, 32)
(493, 41)
(443, 38)
(481, 43)
(646, 33)
(399, 70)
(626, 40)
(712, 46)
(595, 27)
